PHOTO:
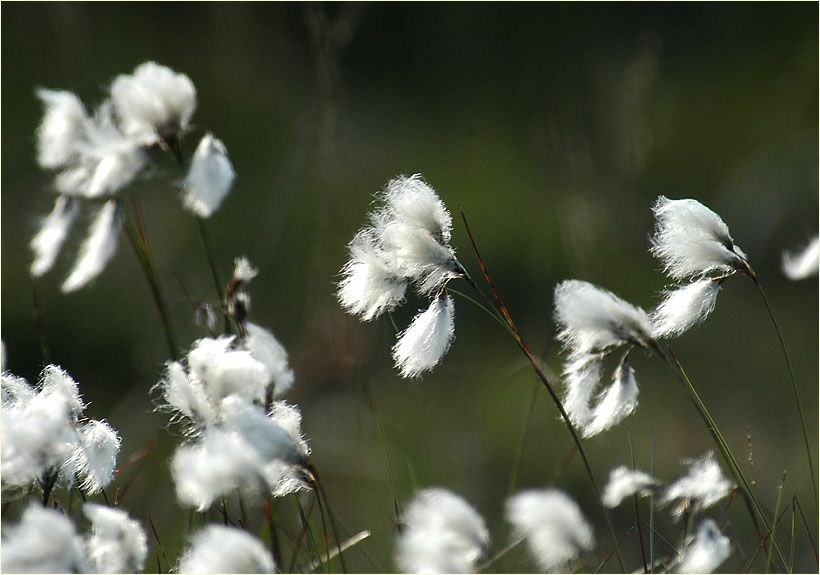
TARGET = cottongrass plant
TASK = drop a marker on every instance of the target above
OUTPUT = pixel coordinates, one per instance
(702, 487)
(46, 440)
(624, 482)
(803, 263)
(705, 552)
(221, 549)
(442, 534)
(46, 541)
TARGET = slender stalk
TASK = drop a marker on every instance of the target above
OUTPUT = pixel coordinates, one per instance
(209, 249)
(637, 509)
(323, 495)
(797, 401)
(806, 525)
(776, 512)
(139, 242)
(749, 497)
(652, 512)
(516, 334)
(492, 560)
(159, 542)
(39, 322)
(792, 539)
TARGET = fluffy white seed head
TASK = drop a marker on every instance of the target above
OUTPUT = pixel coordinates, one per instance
(803, 263)
(692, 240)
(44, 541)
(219, 463)
(706, 551)
(418, 256)
(55, 382)
(553, 526)
(371, 284)
(154, 102)
(61, 129)
(219, 549)
(225, 371)
(684, 307)
(260, 432)
(267, 350)
(442, 534)
(283, 477)
(616, 402)
(52, 234)
(581, 378)
(243, 270)
(15, 390)
(624, 482)
(209, 178)
(95, 455)
(701, 487)
(425, 341)
(413, 201)
(186, 396)
(97, 249)
(117, 543)
(106, 160)
(592, 319)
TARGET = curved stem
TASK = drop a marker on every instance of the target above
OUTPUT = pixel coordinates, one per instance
(794, 388)
(516, 335)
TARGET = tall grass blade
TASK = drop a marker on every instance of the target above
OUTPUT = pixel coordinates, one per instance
(776, 512)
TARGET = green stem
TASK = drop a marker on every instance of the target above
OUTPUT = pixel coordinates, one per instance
(776, 513)
(794, 389)
(652, 513)
(209, 249)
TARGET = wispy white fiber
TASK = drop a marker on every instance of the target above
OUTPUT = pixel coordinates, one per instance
(15, 390)
(425, 341)
(419, 256)
(266, 349)
(268, 439)
(442, 534)
(106, 160)
(53, 231)
(581, 378)
(684, 307)
(154, 102)
(209, 178)
(706, 551)
(220, 549)
(803, 263)
(691, 240)
(225, 371)
(624, 482)
(117, 543)
(219, 463)
(702, 486)
(616, 403)
(97, 249)
(243, 270)
(95, 455)
(552, 524)
(186, 395)
(44, 541)
(592, 319)
(413, 201)
(61, 128)
(371, 284)
(56, 382)
(283, 477)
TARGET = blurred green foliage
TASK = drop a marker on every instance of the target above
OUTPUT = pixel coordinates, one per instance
(554, 126)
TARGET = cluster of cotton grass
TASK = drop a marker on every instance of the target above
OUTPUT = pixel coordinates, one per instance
(240, 438)
(406, 243)
(97, 156)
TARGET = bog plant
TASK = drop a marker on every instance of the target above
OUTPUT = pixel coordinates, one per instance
(240, 441)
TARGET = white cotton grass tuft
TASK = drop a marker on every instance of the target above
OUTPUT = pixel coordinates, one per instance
(266, 349)
(624, 482)
(426, 340)
(684, 307)
(106, 160)
(97, 249)
(95, 456)
(186, 395)
(371, 284)
(267, 438)
(442, 534)
(552, 524)
(692, 240)
(209, 178)
(803, 263)
(243, 270)
(283, 477)
(52, 234)
(222, 549)
(61, 128)
(413, 201)
(117, 543)
(581, 378)
(154, 103)
(224, 371)
(706, 550)
(44, 541)
(615, 404)
(702, 486)
(592, 319)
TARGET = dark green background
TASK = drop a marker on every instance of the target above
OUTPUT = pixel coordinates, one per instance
(553, 125)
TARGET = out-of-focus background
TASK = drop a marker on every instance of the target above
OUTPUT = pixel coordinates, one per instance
(554, 126)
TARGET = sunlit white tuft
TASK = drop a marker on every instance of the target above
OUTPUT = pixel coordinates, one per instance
(267, 350)
(553, 526)
(684, 307)
(442, 534)
(706, 550)
(44, 541)
(616, 403)
(52, 234)
(702, 486)
(117, 543)
(95, 456)
(803, 263)
(624, 482)
(97, 249)
(425, 341)
(61, 129)
(243, 270)
(218, 549)
(209, 178)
